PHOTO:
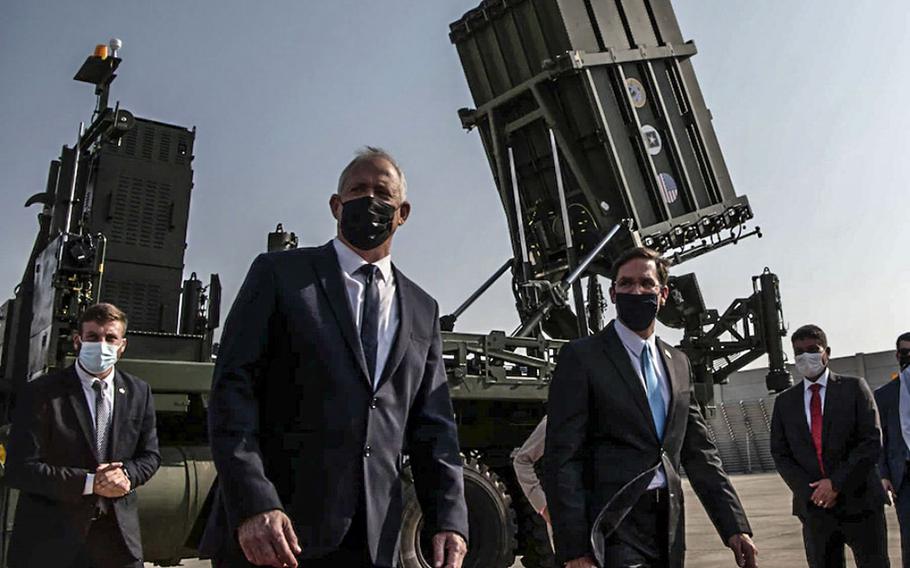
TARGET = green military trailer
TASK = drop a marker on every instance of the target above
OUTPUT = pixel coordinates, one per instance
(598, 138)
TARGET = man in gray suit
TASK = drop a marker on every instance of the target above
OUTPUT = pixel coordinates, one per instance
(893, 400)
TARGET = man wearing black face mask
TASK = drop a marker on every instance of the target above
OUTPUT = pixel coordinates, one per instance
(329, 369)
(893, 400)
(622, 419)
(825, 441)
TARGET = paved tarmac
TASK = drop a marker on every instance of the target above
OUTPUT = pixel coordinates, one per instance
(777, 533)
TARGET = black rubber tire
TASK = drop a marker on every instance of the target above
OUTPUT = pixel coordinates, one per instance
(490, 517)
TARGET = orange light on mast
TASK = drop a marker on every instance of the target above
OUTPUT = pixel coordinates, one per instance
(101, 51)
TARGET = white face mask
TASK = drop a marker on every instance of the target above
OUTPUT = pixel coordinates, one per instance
(810, 365)
(96, 357)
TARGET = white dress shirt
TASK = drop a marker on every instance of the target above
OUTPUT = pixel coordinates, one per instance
(634, 344)
(87, 379)
(355, 286)
(903, 406)
(807, 395)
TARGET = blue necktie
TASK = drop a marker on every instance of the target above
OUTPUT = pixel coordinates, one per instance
(652, 386)
(369, 322)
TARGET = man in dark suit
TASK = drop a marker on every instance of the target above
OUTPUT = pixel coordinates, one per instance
(329, 371)
(893, 400)
(825, 441)
(622, 419)
(82, 440)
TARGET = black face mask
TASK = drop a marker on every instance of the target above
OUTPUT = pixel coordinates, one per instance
(637, 311)
(366, 222)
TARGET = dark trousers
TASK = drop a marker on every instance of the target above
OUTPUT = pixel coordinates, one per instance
(353, 550)
(640, 541)
(902, 508)
(105, 548)
(826, 533)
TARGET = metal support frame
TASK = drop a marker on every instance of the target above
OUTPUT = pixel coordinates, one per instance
(559, 292)
(718, 345)
(447, 322)
(494, 365)
(577, 293)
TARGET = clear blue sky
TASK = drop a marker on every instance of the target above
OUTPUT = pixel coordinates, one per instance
(809, 102)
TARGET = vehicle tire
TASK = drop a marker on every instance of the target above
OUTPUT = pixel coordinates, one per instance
(491, 523)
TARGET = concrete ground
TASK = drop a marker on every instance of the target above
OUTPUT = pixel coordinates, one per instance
(777, 533)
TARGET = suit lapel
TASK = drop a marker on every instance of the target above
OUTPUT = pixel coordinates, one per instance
(679, 381)
(80, 407)
(403, 335)
(832, 397)
(620, 358)
(893, 416)
(330, 279)
(123, 397)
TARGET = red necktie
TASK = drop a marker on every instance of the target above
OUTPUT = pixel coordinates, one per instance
(815, 413)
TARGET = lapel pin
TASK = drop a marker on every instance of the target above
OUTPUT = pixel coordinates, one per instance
(667, 353)
(121, 390)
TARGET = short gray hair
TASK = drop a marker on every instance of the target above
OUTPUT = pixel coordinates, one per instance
(370, 153)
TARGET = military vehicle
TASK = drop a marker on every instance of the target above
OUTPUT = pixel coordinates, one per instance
(598, 139)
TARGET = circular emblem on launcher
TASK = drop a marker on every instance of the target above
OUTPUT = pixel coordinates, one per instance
(651, 137)
(636, 92)
(668, 188)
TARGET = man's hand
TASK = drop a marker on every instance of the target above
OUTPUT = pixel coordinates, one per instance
(111, 481)
(581, 562)
(449, 549)
(889, 490)
(268, 539)
(744, 550)
(824, 495)
(545, 513)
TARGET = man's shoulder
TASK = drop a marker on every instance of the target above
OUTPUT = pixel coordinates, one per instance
(794, 391)
(133, 381)
(849, 380)
(297, 255)
(416, 293)
(888, 389)
(586, 345)
(668, 349)
(52, 381)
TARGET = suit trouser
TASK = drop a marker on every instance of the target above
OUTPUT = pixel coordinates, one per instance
(640, 541)
(902, 508)
(105, 548)
(353, 550)
(825, 534)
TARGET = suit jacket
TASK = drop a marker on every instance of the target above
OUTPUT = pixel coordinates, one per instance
(52, 448)
(851, 444)
(892, 463)
(295, 422)
(601, 436)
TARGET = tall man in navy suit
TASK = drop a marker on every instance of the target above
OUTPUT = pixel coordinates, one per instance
(330, 369)
(82, 440)
(622, 419)
(893, 400)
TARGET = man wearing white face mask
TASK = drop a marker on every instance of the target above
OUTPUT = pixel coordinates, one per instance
(82, 440)
(825, 440)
